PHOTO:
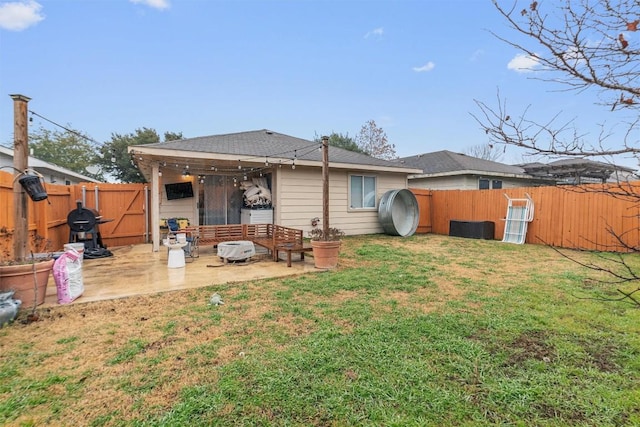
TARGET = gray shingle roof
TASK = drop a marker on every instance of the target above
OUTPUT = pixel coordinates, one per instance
(264, 143)
(446, 161)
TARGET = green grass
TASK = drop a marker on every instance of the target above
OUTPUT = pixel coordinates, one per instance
(461, 332)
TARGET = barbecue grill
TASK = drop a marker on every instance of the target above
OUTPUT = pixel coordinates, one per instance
(84, 228)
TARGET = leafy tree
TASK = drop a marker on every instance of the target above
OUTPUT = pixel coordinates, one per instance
(588, 47)
(485, 151)
(373, 141)
(116, 160)
(173, 136)
(68, 149)
(341, 141)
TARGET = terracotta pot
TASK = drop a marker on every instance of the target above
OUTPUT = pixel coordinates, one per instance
(325, 253)
(19, 278)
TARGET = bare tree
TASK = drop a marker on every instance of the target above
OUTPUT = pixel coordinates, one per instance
(583, 46)
(485, 151)
(373, 141)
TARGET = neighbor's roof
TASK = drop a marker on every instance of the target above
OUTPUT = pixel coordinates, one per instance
(575, 167)
(47, 168)
(264, 144)
(448, 163)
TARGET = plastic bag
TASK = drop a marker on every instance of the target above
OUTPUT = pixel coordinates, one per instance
(67, 273)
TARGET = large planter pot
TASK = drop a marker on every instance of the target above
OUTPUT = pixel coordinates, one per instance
(325, 253)
(19, 278)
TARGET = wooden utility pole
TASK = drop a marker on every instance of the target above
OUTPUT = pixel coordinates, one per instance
(325, 185)
(20, 164)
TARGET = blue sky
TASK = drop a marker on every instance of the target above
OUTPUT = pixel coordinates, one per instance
(299, 67)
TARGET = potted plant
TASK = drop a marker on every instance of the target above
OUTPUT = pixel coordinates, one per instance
(27, 277)
(326, 246)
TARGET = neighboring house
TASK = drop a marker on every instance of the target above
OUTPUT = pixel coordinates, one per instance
(51, 173)
(209, 180)
(580, 171)
(446, 170)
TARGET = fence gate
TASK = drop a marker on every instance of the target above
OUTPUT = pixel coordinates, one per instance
(424, 206)
(124, 205)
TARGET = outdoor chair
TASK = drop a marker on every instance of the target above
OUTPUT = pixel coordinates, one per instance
(191, 248)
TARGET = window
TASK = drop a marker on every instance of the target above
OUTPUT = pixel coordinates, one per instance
(362, 192)
(485, 184)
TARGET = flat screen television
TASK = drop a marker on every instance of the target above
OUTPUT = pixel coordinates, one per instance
(179, 190)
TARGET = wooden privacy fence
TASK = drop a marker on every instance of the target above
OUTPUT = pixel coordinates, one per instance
(578, 217)
(125, 205)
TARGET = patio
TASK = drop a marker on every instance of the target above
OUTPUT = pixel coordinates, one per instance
(137, 270)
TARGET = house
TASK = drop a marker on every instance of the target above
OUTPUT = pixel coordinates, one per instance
(264, 176)
(446, 170)
(50, 173)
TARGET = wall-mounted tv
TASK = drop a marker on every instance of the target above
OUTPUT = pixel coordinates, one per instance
(179, 190)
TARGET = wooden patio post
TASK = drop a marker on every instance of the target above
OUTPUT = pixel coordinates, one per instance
(20, 164)
(325, 185)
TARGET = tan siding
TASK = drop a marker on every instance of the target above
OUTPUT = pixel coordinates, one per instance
(181, 208)
(444, 183)
(300, 199)
(463, 182)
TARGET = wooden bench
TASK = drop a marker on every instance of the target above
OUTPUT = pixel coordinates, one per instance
(274, 238)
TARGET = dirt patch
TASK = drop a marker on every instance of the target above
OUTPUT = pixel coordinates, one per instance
(530, 345)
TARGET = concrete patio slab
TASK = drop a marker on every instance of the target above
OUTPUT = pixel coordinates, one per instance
(137, 270)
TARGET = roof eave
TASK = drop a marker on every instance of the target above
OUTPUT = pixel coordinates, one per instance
(474, 172)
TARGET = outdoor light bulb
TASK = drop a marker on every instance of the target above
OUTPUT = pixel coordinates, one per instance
(293, 166)
(239, 167)
(186, 167)
(113, 160)
(244, 178)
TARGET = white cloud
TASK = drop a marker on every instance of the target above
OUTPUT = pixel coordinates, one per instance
(19, 15)
(426, 67)
(522, 63)
(378, 32)
(156, 4)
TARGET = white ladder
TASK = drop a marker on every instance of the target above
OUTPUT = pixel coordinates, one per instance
(519, 215)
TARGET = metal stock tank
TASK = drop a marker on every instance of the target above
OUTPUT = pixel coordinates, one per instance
(399, 213)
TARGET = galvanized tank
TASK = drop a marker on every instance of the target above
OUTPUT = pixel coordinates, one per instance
(399, 213)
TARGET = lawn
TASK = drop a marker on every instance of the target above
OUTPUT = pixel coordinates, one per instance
(418, 331)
